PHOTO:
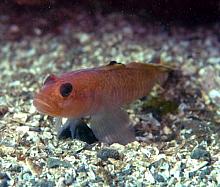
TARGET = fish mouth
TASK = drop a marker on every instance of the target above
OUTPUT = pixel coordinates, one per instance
(44, 106)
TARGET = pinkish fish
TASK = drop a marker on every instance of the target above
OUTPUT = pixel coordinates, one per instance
(100, 92)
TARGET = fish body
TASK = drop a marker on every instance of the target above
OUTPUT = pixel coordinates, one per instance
(99, 92)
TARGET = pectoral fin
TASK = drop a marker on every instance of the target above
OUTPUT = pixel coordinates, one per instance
(112, 127)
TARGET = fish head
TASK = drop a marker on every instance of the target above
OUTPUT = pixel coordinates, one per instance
(60, 97)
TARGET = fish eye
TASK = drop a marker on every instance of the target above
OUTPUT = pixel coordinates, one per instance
(66, 89)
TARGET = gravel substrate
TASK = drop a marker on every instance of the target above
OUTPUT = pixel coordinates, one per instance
(177, 126)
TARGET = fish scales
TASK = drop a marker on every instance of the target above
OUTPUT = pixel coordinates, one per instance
(124, 86)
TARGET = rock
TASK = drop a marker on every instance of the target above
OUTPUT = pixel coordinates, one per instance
(82, 168)
(27, 176)
(159, 178)
(20, 117)
(4, 178)
(54, 162)
(215, 96)
(104, 154)
(200, 153)
(83, 37)
(160, 170)
(47, 135)
(149, 177)
(218, 178)
(205, 172)
(210, 82)
(214, 60)
(22, 130)
(4, 183)
(69, 179)
(3, 110)
(192, 174)
(157, 164)
(45, 184)
(189, 68)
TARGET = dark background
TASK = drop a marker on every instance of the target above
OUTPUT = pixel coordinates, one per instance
(188, 12)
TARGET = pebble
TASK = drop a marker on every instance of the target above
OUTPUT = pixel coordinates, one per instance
(55, 162)
(104, 154)
(3, 110)
(159, 177)
(127, 170)
(60, 182)
(37, 31)
(215, 96)
(20, 117)
(210, 82)
(189, 68)
(149, 177)
(27, 176)
(147, 152)
(4, 176)
(206, 171)
(120, 148)
(83, 37)
(69, 179)
(47, 135)
(218, 178)
(14, 29)
(45, 183)
(32, 109)
(157, 164)
(177, 170)
(22, 130)
(4, 183)
(214, 60)
(200, 153)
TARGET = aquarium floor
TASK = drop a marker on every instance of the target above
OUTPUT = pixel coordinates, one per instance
(177, 133)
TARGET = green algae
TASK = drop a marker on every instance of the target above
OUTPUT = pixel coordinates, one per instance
(160, 105)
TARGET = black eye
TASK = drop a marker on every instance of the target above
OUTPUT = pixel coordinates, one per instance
(66, 89)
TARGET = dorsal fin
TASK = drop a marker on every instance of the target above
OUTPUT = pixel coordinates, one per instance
(137, 65)
(50, 79)
(112, 65)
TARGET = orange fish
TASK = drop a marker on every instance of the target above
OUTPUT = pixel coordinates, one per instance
(100, 93)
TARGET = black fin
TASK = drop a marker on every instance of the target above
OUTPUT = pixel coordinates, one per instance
(67, 130)
(112, 127)
(113, 62)
(76, 129)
